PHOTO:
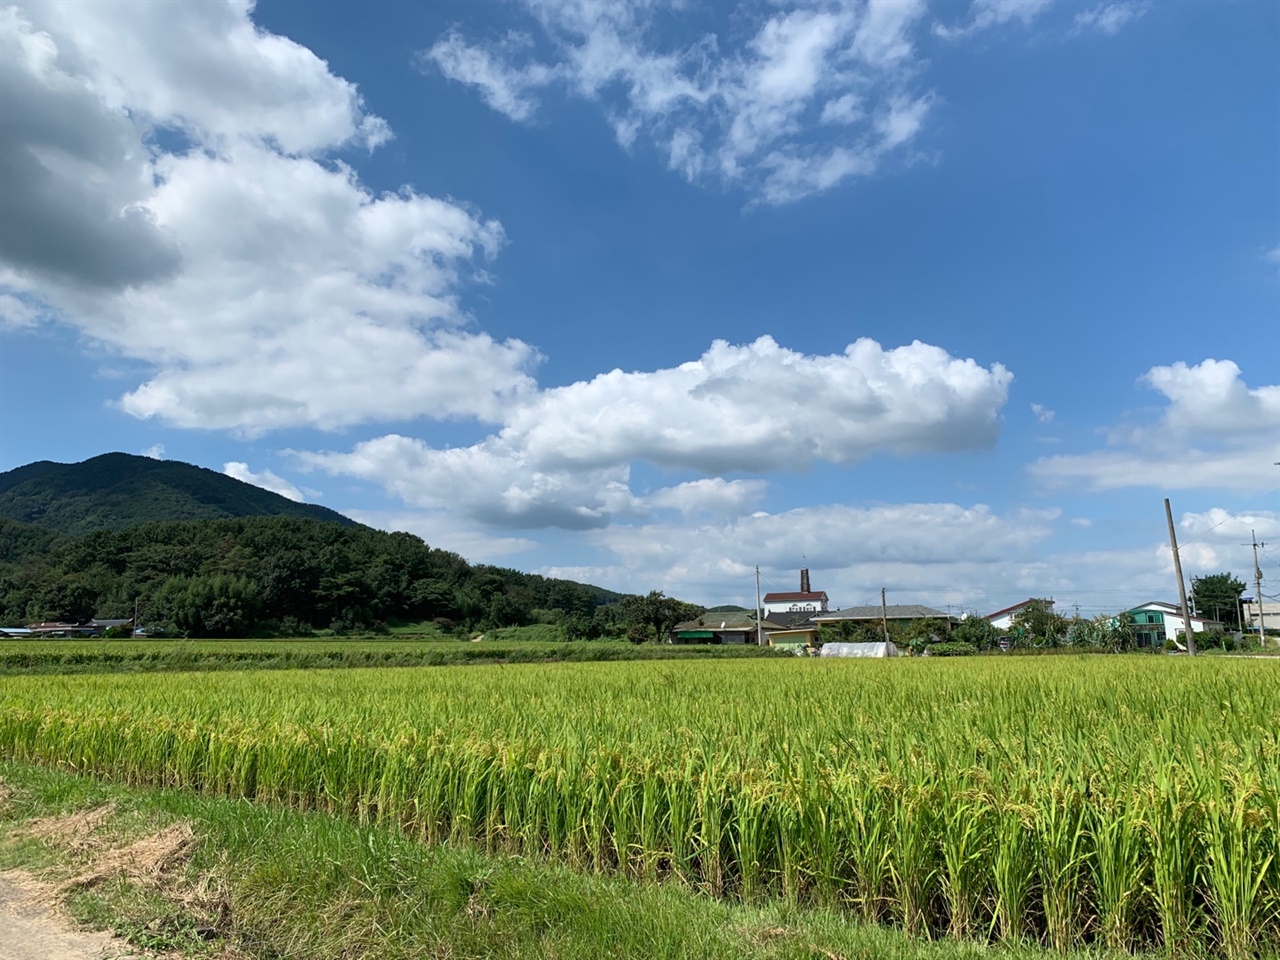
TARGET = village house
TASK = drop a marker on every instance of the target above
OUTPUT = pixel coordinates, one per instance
(1156, 622)
(894, 613)
(737, 626)
(1003, 619)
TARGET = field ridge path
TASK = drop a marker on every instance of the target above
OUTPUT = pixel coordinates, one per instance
(31, 929)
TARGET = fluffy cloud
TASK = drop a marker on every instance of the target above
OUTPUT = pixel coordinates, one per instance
(563, 455)
(1224, 528)
(944, 555)
(1211, 400)
(710, 495)
(17, 313)
(263, 284)
(496, 486)
(938, 553)
(447, 531)
(1217, 539)
(761, 406)
(266, 480)
(208, 71)
(814, 96)
(1215, 432)
(1042, 413)
(76, 174)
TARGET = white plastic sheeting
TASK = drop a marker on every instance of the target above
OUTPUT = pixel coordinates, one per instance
(884, 648)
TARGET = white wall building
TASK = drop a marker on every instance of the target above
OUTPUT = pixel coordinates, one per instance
(1157, 621)
(1003, 619)
(805, 600)
(1270, 614)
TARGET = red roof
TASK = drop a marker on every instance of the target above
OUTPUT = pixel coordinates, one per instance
(779, 597)
(1017, 606)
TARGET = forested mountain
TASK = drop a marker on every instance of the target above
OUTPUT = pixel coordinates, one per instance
(20, 542)
(118, 490)
(286, 575)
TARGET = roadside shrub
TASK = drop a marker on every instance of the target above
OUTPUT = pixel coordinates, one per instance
(952, 648)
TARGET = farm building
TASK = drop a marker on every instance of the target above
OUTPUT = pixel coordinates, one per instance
(59, 630)
(735, 627)
(1003, 619)
(805, 600)
(894, 612)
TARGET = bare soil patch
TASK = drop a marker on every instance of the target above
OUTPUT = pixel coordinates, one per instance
(33, 928)
(34, 925)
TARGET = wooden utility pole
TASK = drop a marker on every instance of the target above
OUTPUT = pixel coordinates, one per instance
(884, 616)
(759, 612)
(1182, 587)
(1257, 589)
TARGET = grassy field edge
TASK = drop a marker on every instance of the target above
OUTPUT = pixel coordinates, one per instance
(263, 883)
(48, 657)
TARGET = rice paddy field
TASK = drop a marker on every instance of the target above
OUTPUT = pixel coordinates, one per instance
(123, 656)
(1131, 803)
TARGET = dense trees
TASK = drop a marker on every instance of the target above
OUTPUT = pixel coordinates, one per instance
(651, 616)
(978, 631)
(1036, 625)
(1217, 597)
(215, 578)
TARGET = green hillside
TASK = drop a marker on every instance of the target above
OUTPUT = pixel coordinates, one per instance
(207, 555)
(118, 490)
(244, 576)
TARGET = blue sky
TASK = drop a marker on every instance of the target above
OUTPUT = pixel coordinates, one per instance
(943, 298)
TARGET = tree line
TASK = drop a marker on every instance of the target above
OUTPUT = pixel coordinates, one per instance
(289, 576)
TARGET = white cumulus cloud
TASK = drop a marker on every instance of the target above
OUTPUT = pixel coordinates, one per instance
(1215, 432)
(260, 282)
(563, 455)
(266, 480)
(935, 553)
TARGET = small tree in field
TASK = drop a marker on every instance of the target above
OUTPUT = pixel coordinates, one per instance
(1036, 625)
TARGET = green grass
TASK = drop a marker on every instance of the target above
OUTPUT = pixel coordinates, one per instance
(422, 628)
(532, 633)
(141, 656)
(268, 883)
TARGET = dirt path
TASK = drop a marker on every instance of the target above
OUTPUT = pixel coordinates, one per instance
(32, 930)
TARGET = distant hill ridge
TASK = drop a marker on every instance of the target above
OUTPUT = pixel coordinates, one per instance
(118, 490)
